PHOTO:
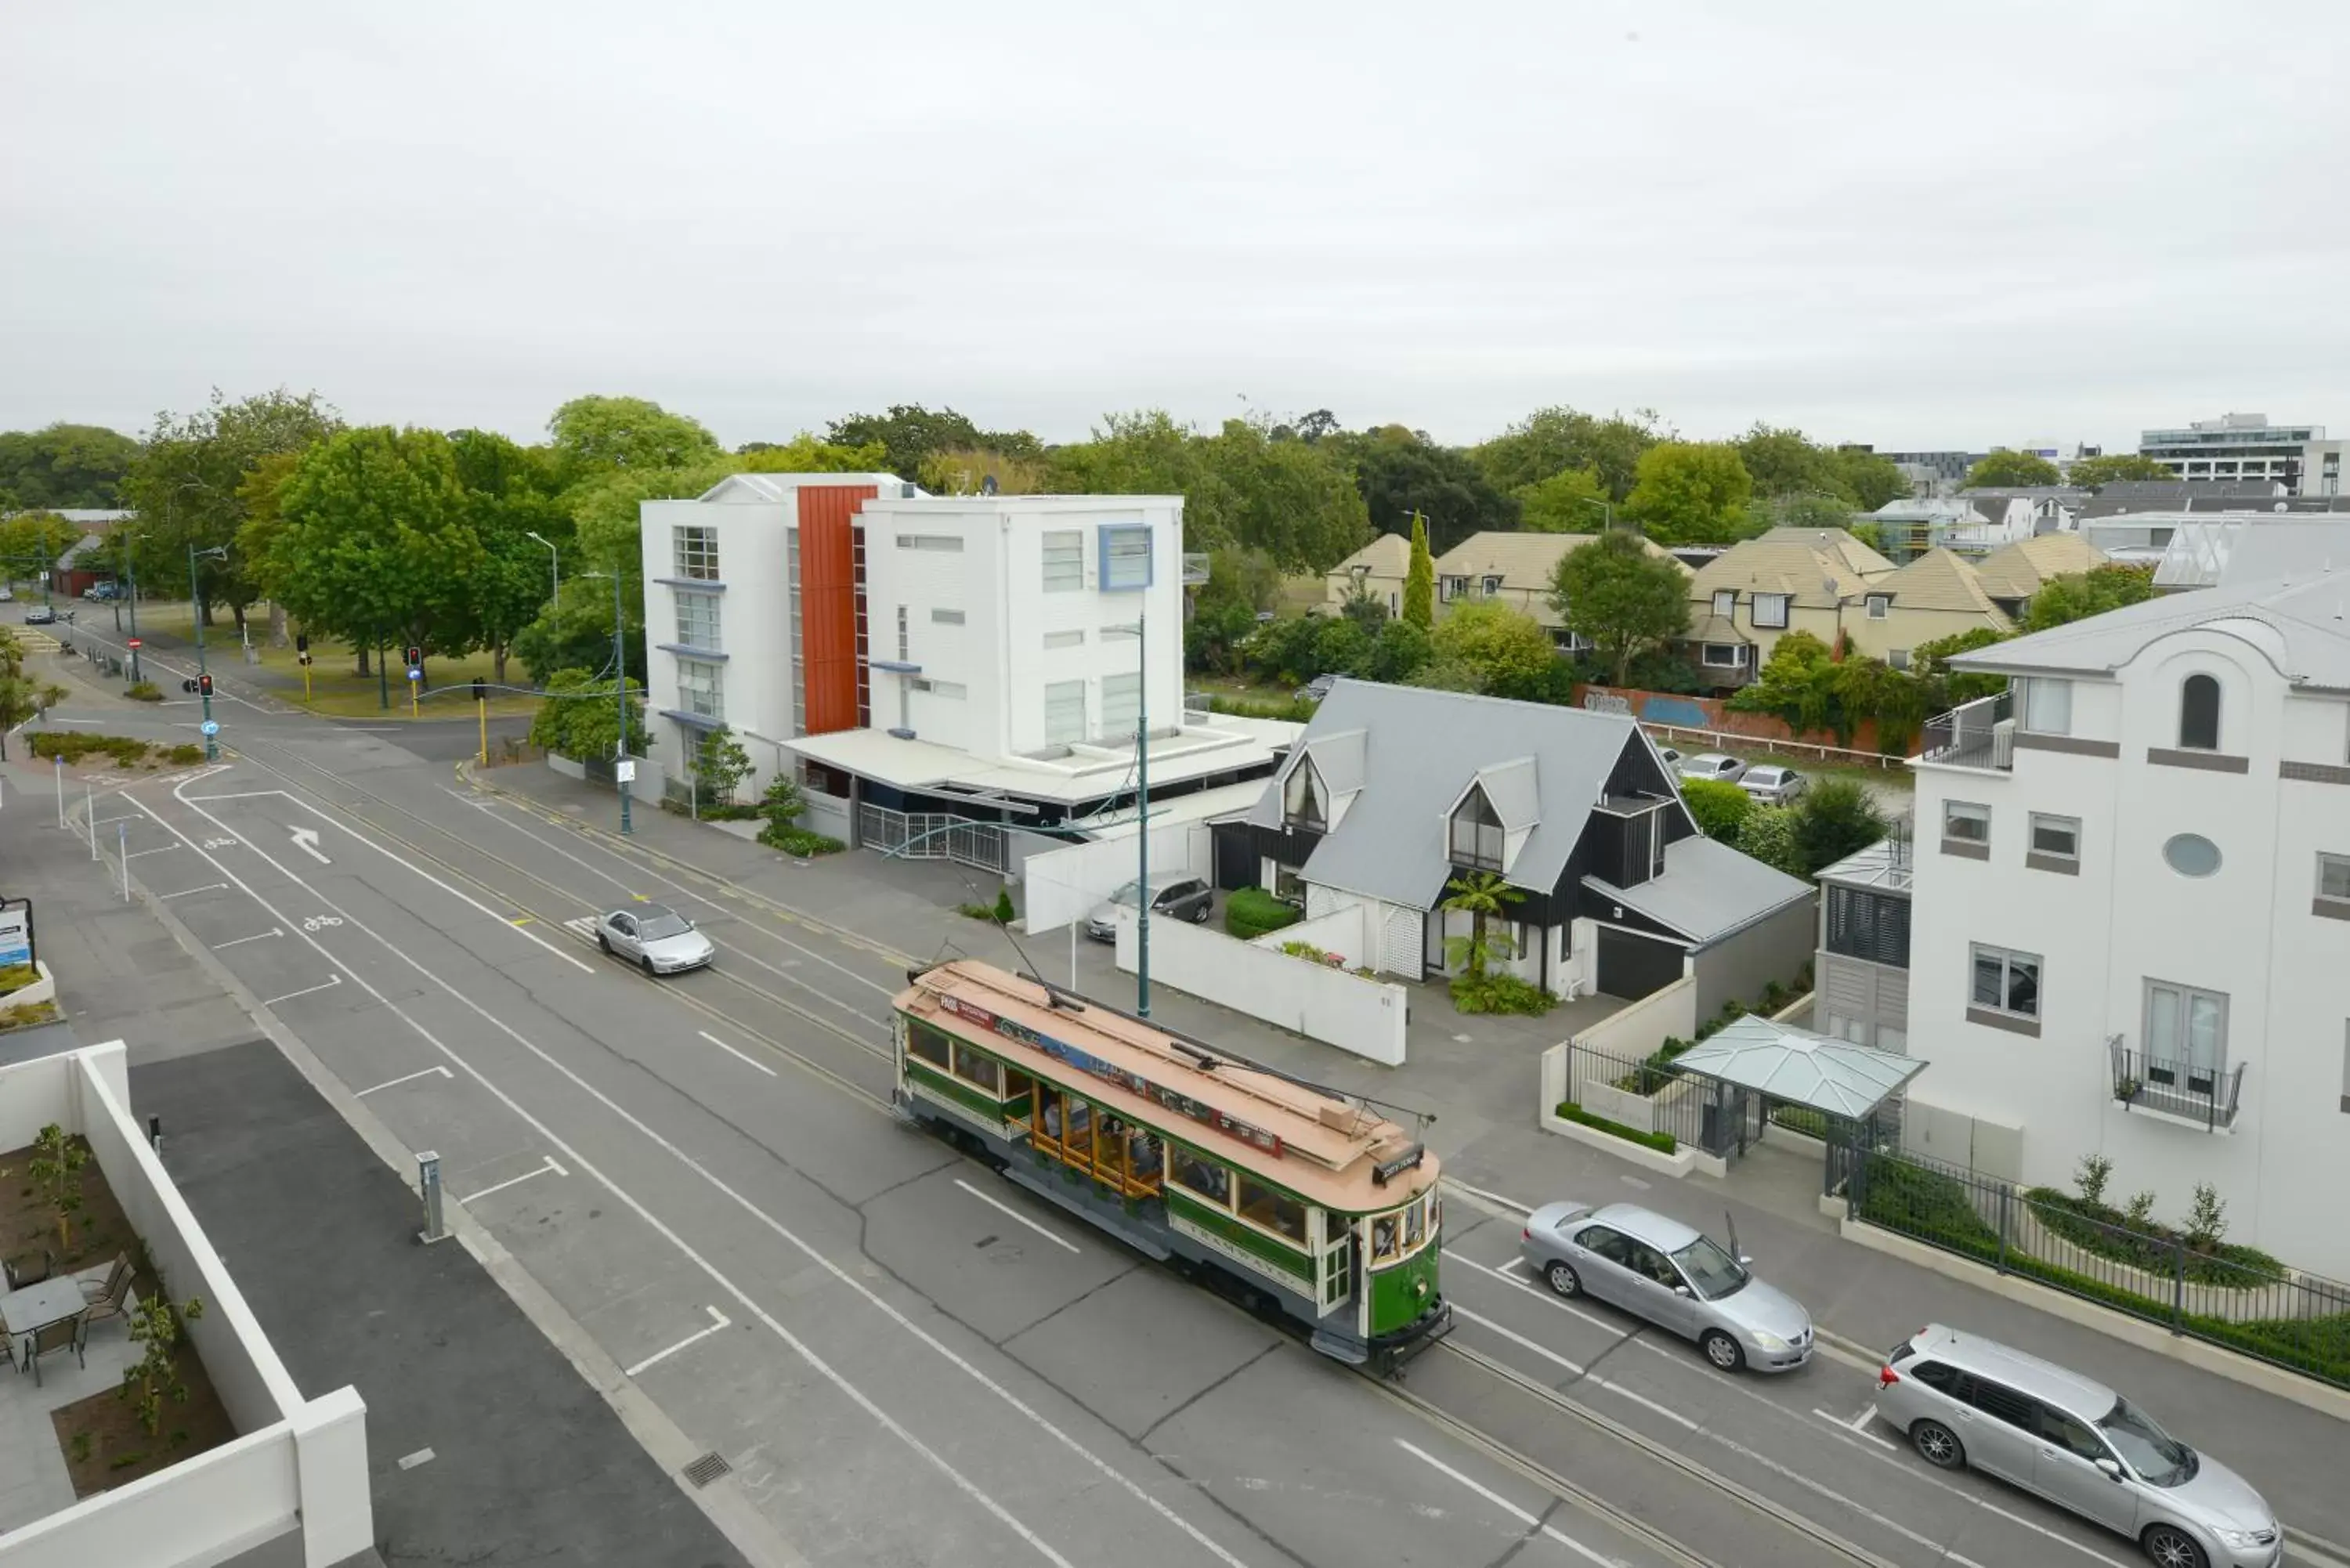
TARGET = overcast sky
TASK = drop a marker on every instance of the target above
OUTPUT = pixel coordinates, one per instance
(1946, 224)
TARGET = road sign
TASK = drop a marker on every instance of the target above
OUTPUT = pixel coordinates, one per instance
(210, 727)
(415, 674)
(135, 642)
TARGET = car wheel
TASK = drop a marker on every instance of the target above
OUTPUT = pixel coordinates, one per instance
(1200, 916)
(603, 941)
(1563, 1280)
(1938, 1445)
(1722, 1351)
(647, 962)
(2171, 1547)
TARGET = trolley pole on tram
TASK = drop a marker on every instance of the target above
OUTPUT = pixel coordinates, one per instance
(1142, 803)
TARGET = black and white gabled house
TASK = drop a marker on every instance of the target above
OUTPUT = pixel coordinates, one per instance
(1393, 791)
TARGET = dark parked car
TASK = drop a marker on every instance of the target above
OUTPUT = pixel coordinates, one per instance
(1179, 894)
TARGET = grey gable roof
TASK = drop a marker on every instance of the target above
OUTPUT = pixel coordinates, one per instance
(2296, 621)
(1420, 750)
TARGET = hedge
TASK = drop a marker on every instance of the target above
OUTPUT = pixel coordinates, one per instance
(72, 746)
(1253, 911)
(2095, 1228)
(799, 841)
(1662, 1142)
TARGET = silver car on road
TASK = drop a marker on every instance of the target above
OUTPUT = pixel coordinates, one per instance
(659, 938)
(1676, 1277)
(1966, 1401)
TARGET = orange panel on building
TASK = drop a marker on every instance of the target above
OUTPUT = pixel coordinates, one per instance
(828, 589)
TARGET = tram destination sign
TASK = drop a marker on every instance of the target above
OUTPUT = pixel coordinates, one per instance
(1085, 1061)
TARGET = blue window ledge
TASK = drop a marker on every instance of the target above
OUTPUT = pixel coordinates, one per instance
(687, 650)
(893, 666)
(698, 720)
(699, 584)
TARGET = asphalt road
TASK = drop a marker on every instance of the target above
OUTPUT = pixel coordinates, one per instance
(904, 1359)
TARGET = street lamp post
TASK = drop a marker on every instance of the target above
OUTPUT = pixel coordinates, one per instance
(620, 681)
(554, 567)
(1142, 807)
(203, 675)
(1606, 507)
(130, 570)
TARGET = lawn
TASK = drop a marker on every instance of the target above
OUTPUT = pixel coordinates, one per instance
(336, 689)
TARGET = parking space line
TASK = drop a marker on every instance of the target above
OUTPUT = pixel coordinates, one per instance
(257, 937)
(207, 887)
(1545, 1296)
(718, 1322)
(550, 1166)
(1589, 1376)
(746, 1061)
(1857, 1431)
(1014, 1214)
(1506, 1506)
(166, 849)
(410, 1078)
(332, 981)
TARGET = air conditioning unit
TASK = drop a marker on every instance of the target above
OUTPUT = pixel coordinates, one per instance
(2002, 743)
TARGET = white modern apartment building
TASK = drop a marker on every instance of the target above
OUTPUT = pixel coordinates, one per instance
(2248, 447)
(2130, 909)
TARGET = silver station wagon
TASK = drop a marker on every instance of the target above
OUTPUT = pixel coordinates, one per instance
(1677, 1278)
(1966, 1401)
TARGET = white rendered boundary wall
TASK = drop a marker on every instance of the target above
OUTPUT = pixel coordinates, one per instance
(1064, 885)
(296, 1464)
(1365, 1017)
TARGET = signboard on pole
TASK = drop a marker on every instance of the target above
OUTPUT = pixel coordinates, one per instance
(625, 770)
(15, 932)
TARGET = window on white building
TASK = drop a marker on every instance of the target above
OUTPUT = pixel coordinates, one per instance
(2057, 836)
(2186, 1034)
(1725, 602)
(946, 618)
(2006, 981)
(2198, 715)
(2334, 881)
(1477, 833)
(1065, 712)
(2044, 706)
(700, 688)
(697, 620)
(944, 543)
(1881, 606)
(1064, 639)
(1126, 559)
(2346, 1067)
(694, 549)
(954, 689)
(1966, 820)
(1064, 561)
(1121, 705)
(1771, 610)
(1301, 800)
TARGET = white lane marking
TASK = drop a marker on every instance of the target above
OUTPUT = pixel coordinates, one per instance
(550, 1167)
(1593, 1379)
(164, 850)
(410, 1078)
(1517, 1260)
(332, 981)
(1493, 1198)
(1844, 1435)
(1547, 1296)
(746, 1061)
(1857, 1431)
(1014, 1214)
(331, 821)
(1860, 1423)
(1511, 1509)
(717, 1324)
(307, 838)
(207, 887)
(686, 1249)
(420, 1457)
(257, 937)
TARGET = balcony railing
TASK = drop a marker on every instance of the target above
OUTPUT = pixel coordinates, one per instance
(1981, 734)
(2187, 1090)
(1195, 567)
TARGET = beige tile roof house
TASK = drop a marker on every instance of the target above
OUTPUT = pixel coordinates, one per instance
(1513, 568)
(1939, 595)
(2012, 575)
(1380, 567)
(1788, 579)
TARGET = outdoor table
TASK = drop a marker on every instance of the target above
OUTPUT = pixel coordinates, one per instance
(37, 1306)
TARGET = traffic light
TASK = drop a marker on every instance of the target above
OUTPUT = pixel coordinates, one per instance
(205, 684)
(415, 656)
(302, 643)
(481, 690)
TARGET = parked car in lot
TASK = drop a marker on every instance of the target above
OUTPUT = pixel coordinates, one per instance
(40, 615)
(1773, 784)
(1713, 765)
(8, 594)
(659, 938)
(1965, 1401)
(1672, 757)
(1676, 1277)
(101, 591)
(1175, 894)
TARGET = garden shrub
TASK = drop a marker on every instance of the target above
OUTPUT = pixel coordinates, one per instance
(1662, 1142)
(799, 841)
(1252, 911)
(1497, 993)
(144, 691)
(186, 755)
(2107, 1232)
(72, 746)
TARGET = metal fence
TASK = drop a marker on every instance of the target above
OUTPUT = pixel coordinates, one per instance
(1650, 1094)
(1975, 734)
(934, 836)
(2229, 1296)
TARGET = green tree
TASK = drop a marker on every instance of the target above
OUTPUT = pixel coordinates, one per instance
(1289, 499)
(1446, 672)
(1692, 493)
(1482, 895)
(260, 495)
(963, 469)
(1400, 651)
(1872, 689)
(719, 765)
(1554, 439)
(31, 540)
(1834, 818)
(64, 466)
(580, 718)
(509, 496)
(595, 435)
(1869, 479)
(1400, 473)
(187, 485)
(375, 540)
(1508, 649)
(1620, 598)
(1342, 646)
(1769, 834)
(2096, 472)
(803, 453)
(156, 1326)
(1216, 634)
(1812, 510)
(1869, 533)
(1931, 662)
(1419, 579)
(1783, 462)
(1571, 501)
(1721, 808)
(910, 435)
(1797, 684)
(575, 632)
(2077, 595)
(2006, 469)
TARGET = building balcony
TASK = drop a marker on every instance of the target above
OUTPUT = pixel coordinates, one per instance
(1978, 734)
(1195, 567)
(2184, 1092)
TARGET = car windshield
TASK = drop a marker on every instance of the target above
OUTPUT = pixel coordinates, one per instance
(2159, 1459)
(656, 927)
(1129, 894)
(1712, 1273)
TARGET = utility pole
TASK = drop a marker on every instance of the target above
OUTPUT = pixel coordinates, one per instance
(620, 765)
(130, 570)
(554, 567)
(1143, 802)
(382, 678)
(203, 676)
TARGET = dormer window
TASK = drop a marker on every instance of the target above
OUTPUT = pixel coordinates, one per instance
(1725, 602)
(1493, 586)
(1477, 833)
(1881, 606)
(1303, 807)
(2198, 715)
(1454, 588)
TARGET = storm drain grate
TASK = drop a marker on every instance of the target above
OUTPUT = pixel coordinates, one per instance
(707, 1469)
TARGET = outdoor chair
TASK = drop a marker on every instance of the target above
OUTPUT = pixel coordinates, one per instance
(23, 1271)
(95, 1289)
(115, 1303)
(68, 1334)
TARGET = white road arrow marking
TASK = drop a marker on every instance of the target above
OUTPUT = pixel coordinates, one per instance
(307, 838)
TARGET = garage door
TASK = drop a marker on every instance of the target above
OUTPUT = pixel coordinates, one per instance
(1631, 967)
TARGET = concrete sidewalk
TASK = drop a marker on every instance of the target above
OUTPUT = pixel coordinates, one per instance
(1482, 1095)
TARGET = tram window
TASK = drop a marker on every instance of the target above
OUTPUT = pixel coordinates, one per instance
(1204, 1177)
(926, 1042)
(1080, 1137)
(1273, 1210)
(1383, 1236)
(984, 1071)
(1415, 1223)
(1143, 1157)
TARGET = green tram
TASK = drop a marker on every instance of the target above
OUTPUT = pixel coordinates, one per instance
(1280, 1193)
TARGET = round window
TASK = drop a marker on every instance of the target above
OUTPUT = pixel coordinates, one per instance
(2192, 854)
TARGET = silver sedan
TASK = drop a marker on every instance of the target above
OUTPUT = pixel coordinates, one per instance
(659, 938)
(1677, 1278)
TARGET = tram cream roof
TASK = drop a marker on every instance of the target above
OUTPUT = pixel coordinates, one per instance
(1329, 1145)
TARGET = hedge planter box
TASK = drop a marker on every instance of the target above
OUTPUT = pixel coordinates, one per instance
(1678, 1163)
